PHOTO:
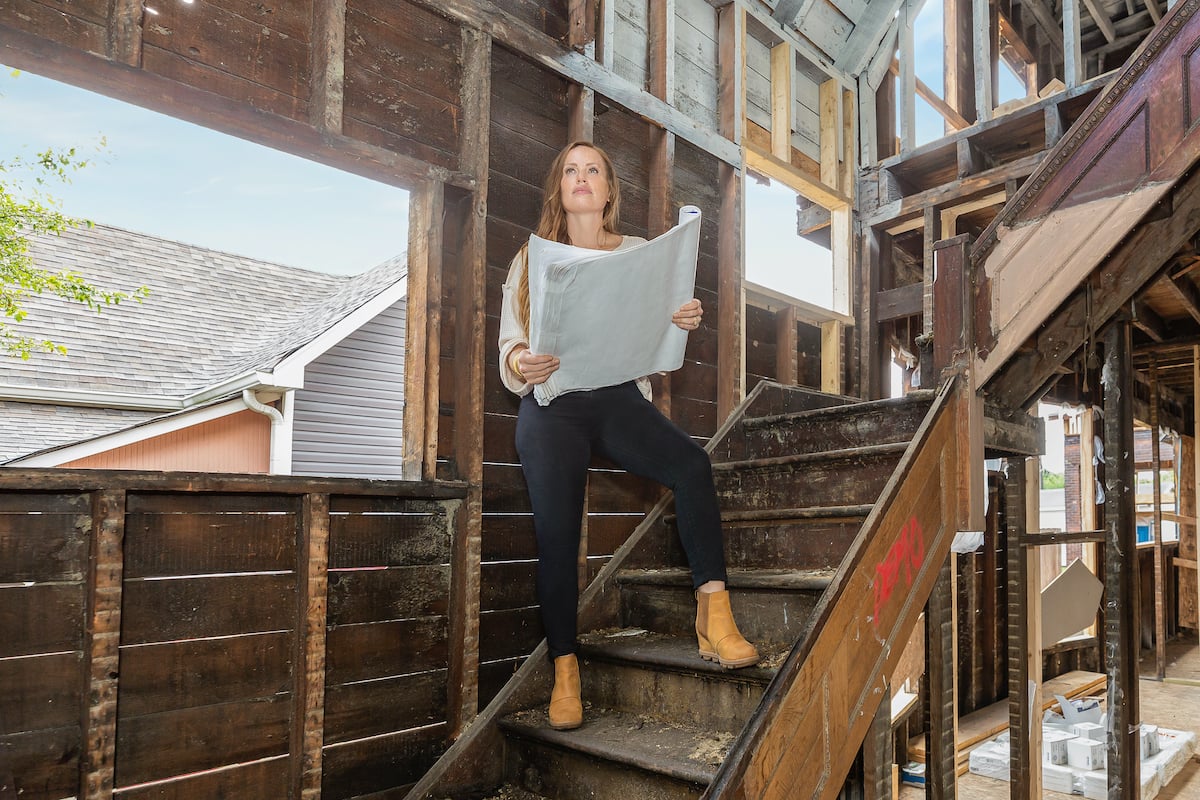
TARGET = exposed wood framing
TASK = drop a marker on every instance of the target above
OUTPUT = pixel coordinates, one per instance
(1152, 7)
(782, 67)
(581, 19)
(731, 315)
(469, 333)
(879, 751)
(1020, 718)
(799, 180)
(661, 146)
(832, 335)
(1048, 23)
(1073, 66)
(954, 120)
(907, 88)
(1147, 320)
(786, 345)
(787, 33)
(579, 68)
(328, 66)
(125, 31)
(101, 644)
(308, 718)
(422, 347)
(941, 670)
(23, 51)
(958, 65)
(1087, 498)
(830, 135)
(981, 36)
(932, 235)
(1101, 18)
(1121, 636)
(1160, 569)
(864, 38)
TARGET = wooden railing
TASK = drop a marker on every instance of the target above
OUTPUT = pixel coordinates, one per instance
(209, 635)
(817, 711)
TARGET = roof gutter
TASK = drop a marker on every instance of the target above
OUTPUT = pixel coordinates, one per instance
(142, 402)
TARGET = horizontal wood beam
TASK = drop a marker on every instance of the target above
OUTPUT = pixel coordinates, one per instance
(1147, 320)
(799, 180)
(1044, 538)
(565, 62)
(907, 301)
(1102, 20)
(1015, 40)
(959, 191)
(1185, 292)
(21, 50)
(1013, 432)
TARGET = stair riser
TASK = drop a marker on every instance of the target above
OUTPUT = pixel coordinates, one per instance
(552, 772)
(762, 615)
(787, 544)
(841, 482)
(717, 705)
(849, 429)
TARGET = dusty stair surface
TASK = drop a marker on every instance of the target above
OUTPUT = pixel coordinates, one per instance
(798, 473)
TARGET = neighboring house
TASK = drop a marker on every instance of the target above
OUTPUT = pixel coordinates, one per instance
(231, 365)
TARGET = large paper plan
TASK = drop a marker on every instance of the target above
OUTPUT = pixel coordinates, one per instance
(607, 315)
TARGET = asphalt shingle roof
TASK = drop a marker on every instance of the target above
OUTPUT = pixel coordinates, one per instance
(210, 316)
(30, 427)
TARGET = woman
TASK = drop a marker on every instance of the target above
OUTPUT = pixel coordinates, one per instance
(556, 442)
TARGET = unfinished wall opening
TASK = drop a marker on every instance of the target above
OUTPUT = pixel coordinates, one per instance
(268, 273)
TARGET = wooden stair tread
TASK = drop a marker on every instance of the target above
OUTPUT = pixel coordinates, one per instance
(678, 751)
(661, 651)
(843, 454)
(866, 406)
(810, 512)
(785, 579)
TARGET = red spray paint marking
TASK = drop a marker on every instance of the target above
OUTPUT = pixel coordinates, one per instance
(906, 554)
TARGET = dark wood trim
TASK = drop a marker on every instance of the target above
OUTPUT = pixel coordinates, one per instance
(328, 78)
(1122, 638)
(101, 644)
(1160, 567)
(786, 345)
(308, 709)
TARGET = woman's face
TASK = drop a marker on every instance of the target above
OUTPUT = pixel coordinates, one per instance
(584, 185)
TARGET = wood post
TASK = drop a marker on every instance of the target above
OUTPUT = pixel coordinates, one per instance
(124, 34)
(1121, 636)
(981, 37)
(661, 148)
(879, 751)
(941, 669)
(422, 345)
(1160, 570)
(308, 714)
(731, 284)
(786, 345)
(101, 643)
(469, 335)
(1020, 718)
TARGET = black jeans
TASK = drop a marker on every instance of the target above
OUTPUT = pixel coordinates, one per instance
(556, 443)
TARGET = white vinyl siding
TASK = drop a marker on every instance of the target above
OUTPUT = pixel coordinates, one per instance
(349, 415)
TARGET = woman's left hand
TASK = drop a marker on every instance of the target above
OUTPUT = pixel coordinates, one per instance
(688, 316)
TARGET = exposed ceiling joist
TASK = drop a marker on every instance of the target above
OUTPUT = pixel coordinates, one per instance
(1148, 321)
(868, 32)
(1185, 292)
(1101, 18)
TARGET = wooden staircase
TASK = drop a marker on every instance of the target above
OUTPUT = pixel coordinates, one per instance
(801, 476)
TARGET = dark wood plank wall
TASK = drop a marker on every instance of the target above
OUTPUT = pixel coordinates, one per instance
(200, 623)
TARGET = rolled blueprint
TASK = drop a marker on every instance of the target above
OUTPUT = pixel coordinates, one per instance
(607, 315)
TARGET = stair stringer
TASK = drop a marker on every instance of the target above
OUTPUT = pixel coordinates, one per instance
(476, 760)
(815, 715)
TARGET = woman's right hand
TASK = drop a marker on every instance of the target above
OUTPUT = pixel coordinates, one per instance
(536, 368)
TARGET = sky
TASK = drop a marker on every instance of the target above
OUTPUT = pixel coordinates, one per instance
(162, 176)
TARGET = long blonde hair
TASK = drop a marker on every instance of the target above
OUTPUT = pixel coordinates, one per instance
(553, 223)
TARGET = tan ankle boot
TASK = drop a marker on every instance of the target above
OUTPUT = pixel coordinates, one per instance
(718, 634)
(566, 709)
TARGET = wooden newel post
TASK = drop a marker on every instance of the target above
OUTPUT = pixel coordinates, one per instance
(952, 311)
